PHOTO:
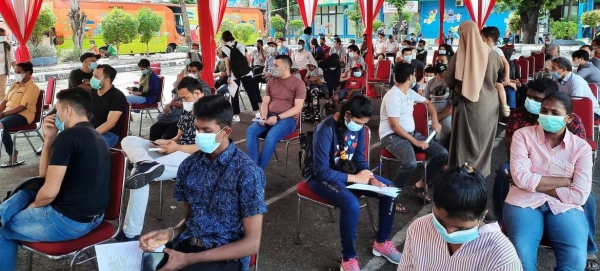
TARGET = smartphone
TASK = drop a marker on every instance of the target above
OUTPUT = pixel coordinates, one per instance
(152, 261)
(153, 143)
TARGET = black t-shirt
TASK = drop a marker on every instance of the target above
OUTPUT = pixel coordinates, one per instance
(76, 77)
(112, 100)
(85, 188)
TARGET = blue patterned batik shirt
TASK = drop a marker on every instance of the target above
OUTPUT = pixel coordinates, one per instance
(220, 195)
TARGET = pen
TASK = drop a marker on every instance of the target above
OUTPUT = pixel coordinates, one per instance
(378, 166)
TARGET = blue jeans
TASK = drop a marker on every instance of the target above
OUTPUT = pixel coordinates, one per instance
(502, 185)
(349, 207)
(133, 99)
(271, 134)
(111, 139)
(511, 97)
(43, 224)
(10, 121)
(567, 231)
(223, 90)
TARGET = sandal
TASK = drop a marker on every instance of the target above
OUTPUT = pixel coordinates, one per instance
(399, 208)
(423, 193)
(12, 164)
(592, 264)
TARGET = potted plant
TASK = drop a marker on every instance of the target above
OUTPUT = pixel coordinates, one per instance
(42, 55)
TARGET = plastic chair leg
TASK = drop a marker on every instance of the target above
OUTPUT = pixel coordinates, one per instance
(141, 119)
(370, 213)
(331, 216)
(160, 202)
(298, 222)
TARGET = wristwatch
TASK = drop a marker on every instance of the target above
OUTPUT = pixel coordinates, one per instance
(278, 118)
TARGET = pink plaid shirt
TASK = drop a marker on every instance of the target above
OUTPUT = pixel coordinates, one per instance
(532, 157)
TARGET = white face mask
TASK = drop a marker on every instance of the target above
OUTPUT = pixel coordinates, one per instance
(427, 78)
(19, 77)
(195, 76)
(3, 38)
(188, 106)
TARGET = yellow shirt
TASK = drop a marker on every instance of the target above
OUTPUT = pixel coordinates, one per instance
(25, 95)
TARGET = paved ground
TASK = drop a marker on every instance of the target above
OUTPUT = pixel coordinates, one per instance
(319, 249)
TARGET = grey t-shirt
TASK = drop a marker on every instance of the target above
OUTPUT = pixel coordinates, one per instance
(590, 73)
(596, 62)
(438, 93)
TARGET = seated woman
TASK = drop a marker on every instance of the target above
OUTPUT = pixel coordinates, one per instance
(445, 53)
(515, 76)
(550, 50)
(552, 175)
(220, 75)
(149, 87)
(316, 50)
(455, 235)
(18, 108)
(338, 160)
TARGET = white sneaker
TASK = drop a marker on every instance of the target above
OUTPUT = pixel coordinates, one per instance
(257, 115)
(236, 119)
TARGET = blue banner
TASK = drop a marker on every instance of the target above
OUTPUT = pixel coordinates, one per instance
(248, 3)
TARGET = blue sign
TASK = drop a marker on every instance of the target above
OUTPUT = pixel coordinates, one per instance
(248, 3)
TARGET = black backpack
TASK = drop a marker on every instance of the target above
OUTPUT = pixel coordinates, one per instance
(237, 62)
(305, 157)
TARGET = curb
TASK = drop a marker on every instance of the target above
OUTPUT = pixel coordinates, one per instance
(64, 74)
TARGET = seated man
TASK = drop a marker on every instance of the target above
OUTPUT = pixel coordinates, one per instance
(392, 47)
(213, 235)
(108, 104)
(149, 85)
(280, 110)
(158, 165)
(282, 49)
(456, 235)
(405, 56)
(302, 56)
(421, 52)
(572, 84)
(326, 49)
(380, 46)
(81, 77)
(355, 85)
(585, 68)
(399, 137)
(354, 58)
(314, 78)
(438, 93)
(267, 71)
(75, 164)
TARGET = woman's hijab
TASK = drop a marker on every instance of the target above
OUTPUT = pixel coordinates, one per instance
(550, 44)
(471, 60)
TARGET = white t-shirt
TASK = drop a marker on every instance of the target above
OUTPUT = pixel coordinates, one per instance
(398, 105)
(391, 46)
(240, 47)
(498, 50)
(380, 47)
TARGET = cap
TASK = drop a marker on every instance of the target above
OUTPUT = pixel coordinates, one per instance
(88, 55)
(439, 68)
(271, 43)
(357, 66)
(294, 66)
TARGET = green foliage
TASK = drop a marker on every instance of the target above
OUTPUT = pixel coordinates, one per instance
(376, 25)
(591, 18)
(186, 1)
(243, 32)
(407, 16)
(563, 30)
(278, 35)
(226, 24)
(69, 55)
(354, 16)
(281, 6)
(296, 26)
(119, 27)
(150, 24)
(39, 50)
(399, 4)
(529, 6)
(514, 22)
(46, 20)
(417, 27)
(277, 23)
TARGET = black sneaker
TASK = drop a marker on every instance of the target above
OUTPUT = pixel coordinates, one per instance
(145, 172)
(121, 237)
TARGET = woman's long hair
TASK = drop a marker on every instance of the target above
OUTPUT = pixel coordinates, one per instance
(359, 107)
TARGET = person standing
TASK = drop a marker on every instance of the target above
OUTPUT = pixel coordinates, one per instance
(475, 115)
(7, 60)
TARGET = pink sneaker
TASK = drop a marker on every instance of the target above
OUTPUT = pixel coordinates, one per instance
(350, 265)
(388, 251)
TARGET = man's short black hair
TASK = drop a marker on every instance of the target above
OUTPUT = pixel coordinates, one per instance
(259, 41)
(108, 71)
(491, 32)
(215, 108)
(462, 194)
(563, 63)
(87, 55)
(596, 41)
(196, 64)
(402, 71)
(354, 48)
(77, 98)
(189, 83)
(2, 29)
(144, 63)
(589, 47)
(337, 40)
(227, 36)
(422, 42)
(300, 42)
(286, 59)
(26, 66)
(581, 54)
(543, 85)
(407, 50)
(195, 44)
(429, 70)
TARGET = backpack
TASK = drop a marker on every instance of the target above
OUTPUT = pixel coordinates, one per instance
(305, 156)
(237, 62)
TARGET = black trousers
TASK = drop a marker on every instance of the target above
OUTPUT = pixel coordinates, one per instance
(163, 130)
(252, 94)
(211, 266)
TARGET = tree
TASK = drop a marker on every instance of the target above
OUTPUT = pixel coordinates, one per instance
(514, 23)
(376, 25)
(402, 15)
(353, 14)
(591, 18)
(186, 20)
(296, 26)
(226, 25)
(77, 24)
(529, 12)
(119, 27)
(563, 29)
(280, 8)
(277, 23)
(243, 32)
(45, 21)
(150, 24)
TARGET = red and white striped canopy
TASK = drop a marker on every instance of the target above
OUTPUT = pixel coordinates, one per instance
(217, 7)
(480, 10)
(363, 9)
(308, 8)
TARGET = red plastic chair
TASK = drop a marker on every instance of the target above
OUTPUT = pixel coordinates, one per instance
(35, 126)
(382, 74)
(147, 107)
(540, 60)
(305, 194)
(524, 69)
(584, 108)
(419, 73)
(421, 117)
(125, 118)
(532, 62)
(435, 55)
(103, 233)
(50, 89)
(302, 73)
(254, 262)
(287, 139)
(155, 67)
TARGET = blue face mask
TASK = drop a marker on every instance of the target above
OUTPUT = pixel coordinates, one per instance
(95, 83)
(93, 65)
(555, 75)
(441, 52)
(353, 126)
(357, 74)
(457, 237)
(408, 58)
(551, 124)
(144, 72)
(532, 106)
(59, 124)
(513, 57)
(206, 142)
(187, 62)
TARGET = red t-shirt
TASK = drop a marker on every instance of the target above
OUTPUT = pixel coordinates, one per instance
(283, 92)
(356, 82)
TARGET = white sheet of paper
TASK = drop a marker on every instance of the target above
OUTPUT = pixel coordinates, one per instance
(120, 256)
(232, 88)
(258, 120)
(431, 136)
(388, 191)
(154, 149)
